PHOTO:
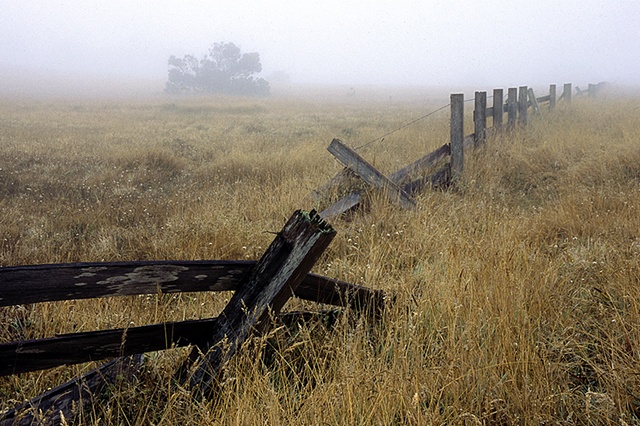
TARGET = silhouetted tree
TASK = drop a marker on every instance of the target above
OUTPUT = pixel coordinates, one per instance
(224, 69)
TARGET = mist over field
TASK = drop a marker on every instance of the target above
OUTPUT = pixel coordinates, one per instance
(514, 293)
(75, 48)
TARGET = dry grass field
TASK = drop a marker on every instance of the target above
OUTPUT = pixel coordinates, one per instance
(517, 296)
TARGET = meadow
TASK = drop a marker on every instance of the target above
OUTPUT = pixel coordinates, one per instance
(517, 296)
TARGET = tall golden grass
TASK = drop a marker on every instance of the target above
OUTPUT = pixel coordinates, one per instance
(517, 295)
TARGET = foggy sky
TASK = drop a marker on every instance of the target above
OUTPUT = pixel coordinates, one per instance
(448, 42)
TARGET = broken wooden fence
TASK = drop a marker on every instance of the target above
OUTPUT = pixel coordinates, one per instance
(261, 289)
(401, 186)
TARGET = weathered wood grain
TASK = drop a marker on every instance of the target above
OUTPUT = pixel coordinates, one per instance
(271, 283)
(20, 285)
(76, 348)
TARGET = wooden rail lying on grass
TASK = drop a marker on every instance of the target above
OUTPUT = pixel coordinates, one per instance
(261, 289)
(397, 186)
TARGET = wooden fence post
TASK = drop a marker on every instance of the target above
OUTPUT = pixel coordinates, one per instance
(457, 136)
(552, 96)
(567, 93)
(498, 100)
(512, 107)
(271, 283)
(480, 119)
(523, 104)
(592, 90)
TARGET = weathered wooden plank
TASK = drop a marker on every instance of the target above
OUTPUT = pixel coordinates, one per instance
(271, 283)
(552, 96)
(343, 205)
(523, 105)
(51, 406)
(457, 135)
(21, 285)
(338, 293)
(419, 166)
(43, 283)
(498, 108)
(76, 348)
(512, 107)
(543, 99)
(480, 119)
(439, 179)
(369, 173)
(534, 101)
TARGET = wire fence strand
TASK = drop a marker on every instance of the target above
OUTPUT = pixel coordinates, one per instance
(402, 127)
(380, 138)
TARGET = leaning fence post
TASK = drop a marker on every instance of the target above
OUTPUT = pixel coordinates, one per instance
(512, 107)
(533, 101)
(480, 119)
(523, 104)
(552, 96)
(498, 100)
(457, 135)
(270, 284)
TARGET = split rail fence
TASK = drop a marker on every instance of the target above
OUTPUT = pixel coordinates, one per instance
(404, 184)
(260, 290)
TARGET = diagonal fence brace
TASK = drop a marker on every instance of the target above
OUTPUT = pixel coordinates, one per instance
(411, 179)
(369, 174)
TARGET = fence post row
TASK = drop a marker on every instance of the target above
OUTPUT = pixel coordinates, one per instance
(397, 185)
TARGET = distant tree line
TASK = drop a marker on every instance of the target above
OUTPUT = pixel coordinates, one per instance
(224, 69)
